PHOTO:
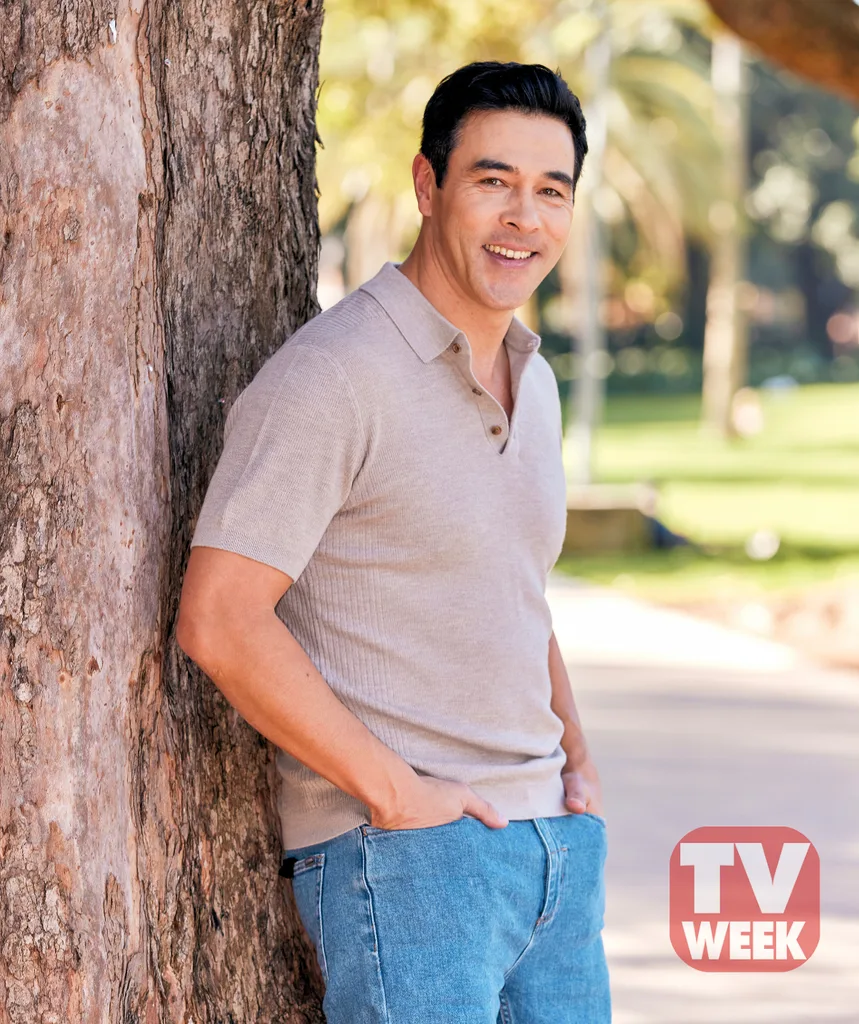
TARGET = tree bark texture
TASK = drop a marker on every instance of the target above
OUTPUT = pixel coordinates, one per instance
(818, 39)
(158, 241)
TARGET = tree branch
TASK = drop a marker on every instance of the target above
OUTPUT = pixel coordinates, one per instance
(815, 39)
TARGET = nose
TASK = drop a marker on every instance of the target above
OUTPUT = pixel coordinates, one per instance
(521, 212)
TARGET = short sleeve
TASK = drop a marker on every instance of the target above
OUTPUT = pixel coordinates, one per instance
(556, 404)
(560, 426)
(293, 445)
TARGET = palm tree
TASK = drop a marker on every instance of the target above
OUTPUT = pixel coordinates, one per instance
(649, 111)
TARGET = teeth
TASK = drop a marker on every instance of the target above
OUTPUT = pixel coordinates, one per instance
(511, 254)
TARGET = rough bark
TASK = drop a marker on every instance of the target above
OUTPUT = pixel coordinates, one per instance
(158, 241)
(818, 39)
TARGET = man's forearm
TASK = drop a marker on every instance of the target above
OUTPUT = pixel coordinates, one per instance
(564, 706)
(267, 676)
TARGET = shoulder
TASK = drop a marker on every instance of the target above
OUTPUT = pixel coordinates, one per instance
(544, 375)
(545, 394)
(344, 336)
(327, 362)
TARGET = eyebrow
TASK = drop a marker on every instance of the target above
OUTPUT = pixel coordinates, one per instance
(488, 164)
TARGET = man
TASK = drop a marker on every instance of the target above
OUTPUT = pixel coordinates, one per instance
(367, 588)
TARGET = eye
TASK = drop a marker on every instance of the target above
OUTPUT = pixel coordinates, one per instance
(557, 193)
(487, 181)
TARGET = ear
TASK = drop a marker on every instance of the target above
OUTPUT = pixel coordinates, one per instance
(424, 178)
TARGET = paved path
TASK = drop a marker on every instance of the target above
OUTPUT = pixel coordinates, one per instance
(692, 724)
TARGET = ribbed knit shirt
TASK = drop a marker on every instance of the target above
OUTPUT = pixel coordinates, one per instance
(367, 462)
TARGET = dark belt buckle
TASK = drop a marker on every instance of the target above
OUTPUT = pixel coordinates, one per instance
(286, 867)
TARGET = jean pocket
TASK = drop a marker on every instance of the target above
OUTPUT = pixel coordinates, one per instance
(596, 817)
(307, 878)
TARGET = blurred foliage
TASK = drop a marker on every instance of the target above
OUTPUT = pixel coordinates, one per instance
(380, 62)
(803, 265)
(803, 201)
(381, 59)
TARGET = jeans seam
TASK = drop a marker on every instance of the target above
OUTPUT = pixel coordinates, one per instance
(315, 862)
(553, 874)
(506, 1013)
(373, 926)
(518, 959)
(322, 956)
(540, 919)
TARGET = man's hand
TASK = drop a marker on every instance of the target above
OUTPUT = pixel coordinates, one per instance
(430, 801)
(582, 788)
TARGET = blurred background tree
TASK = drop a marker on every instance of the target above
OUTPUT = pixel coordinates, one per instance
(662, 202)
(653, 190)
(816, 40)
(723, 216)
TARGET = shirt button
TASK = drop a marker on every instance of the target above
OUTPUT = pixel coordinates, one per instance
(495, 430)
(456, 346)
(477, 391)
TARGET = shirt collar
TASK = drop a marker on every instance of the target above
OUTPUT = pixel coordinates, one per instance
(421, 324)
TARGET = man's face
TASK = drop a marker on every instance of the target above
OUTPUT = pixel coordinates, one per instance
(508, 187)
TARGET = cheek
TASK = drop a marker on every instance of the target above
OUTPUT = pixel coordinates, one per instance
(467, 234)
(557, 224)
(477, 213)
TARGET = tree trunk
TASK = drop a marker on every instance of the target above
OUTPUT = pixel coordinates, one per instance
(725, 333)
(588, 391)
(158, 241)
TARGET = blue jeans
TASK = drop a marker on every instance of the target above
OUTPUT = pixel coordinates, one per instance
(459, 923)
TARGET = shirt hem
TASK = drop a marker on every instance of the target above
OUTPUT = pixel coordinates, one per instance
(303, 826)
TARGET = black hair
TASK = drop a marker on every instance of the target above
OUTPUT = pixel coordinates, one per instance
(492, 85)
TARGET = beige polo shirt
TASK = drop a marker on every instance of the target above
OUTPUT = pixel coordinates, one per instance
(367, 462)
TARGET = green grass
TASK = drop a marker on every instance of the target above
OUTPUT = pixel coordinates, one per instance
(799, 477)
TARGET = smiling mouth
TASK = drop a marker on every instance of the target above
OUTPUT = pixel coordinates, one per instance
(513, 255)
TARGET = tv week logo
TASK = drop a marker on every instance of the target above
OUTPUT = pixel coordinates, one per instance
(744, 899)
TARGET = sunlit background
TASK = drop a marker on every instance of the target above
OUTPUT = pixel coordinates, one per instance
(703, 323)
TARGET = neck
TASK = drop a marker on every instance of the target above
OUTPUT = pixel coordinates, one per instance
(485, 328)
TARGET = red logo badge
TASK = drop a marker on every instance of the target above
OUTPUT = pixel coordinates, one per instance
(745, 899)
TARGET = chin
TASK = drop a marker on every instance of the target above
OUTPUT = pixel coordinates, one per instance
(505, 298)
